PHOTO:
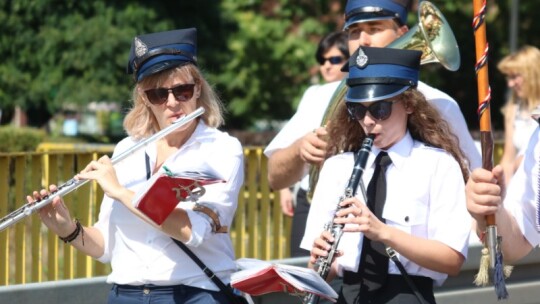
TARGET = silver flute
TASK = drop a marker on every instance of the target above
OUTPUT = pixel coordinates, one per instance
(73, 184)
(323, 264)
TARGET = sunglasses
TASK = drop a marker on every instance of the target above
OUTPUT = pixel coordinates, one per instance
(333, 60)
(182, 92)
(379, 110)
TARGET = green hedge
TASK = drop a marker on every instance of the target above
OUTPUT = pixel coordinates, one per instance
(20, 139)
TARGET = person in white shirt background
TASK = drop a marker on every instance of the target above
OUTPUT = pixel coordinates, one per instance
(522, 71)
(424, 218)
(147, 265)
(302, 141)
(331, 54)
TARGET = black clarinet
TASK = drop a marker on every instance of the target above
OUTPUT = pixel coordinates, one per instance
(323, 264)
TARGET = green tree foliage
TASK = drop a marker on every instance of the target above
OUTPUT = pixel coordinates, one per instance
(68, 52)
(271, 51)
(75, 52)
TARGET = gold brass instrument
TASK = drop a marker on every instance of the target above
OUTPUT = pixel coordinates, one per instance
(73, 184)
(432, 36)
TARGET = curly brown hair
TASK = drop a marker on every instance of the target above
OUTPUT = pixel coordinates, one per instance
(425, 124)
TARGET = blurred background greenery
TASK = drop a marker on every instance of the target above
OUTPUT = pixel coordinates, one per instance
(64, 60)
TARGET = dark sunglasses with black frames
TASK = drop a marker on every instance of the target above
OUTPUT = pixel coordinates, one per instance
(332, 59)
(380, 110)
(181, 92)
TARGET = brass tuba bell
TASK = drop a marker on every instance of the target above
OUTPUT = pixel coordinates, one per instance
(432, 36)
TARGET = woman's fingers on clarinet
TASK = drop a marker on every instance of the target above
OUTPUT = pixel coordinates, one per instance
(351, 201)
(327, 237)
(319, 252)
(323, 243)
(342, 214)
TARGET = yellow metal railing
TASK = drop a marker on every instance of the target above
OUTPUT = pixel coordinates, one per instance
(30, 253)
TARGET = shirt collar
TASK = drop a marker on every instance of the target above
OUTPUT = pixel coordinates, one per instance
(202, 133)
(399, 151)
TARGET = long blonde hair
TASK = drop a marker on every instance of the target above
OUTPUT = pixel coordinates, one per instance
(140, 122)
(425, 124)
(525, 62)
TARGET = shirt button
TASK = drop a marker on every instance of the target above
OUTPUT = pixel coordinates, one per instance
(146, 291)
(406, 218)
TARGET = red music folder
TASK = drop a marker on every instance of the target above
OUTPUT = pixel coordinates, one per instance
(165, 190)
(259, 277)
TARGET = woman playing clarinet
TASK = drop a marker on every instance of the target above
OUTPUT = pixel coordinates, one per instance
(407, 228)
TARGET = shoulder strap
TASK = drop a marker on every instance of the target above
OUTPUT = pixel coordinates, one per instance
(148, 171)
(224, 288)
(392, 254)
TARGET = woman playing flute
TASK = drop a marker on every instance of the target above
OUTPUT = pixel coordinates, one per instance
(147, 265)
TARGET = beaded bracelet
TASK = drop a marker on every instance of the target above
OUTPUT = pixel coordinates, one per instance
(78, 230)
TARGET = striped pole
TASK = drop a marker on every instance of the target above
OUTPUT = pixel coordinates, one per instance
(492, 263)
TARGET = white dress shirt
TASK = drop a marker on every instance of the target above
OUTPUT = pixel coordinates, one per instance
(522, 192)
(524, 126)
(308, 116)
(140, 254)
(425, 198)
(450, 111)
(313, 105)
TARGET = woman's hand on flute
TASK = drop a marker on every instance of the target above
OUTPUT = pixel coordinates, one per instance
(103, 172)
(55, 215)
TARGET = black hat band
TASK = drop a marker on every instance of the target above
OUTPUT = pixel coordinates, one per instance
(139, 61)
(351, 82)
(372, 12)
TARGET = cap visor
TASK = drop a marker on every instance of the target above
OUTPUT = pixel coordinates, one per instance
(159, 67)
(364, 17)
(373, 92)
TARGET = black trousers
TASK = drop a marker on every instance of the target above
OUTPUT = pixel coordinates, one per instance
(299, 224)
(394, 291)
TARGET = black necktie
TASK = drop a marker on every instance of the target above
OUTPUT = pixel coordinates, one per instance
(373, 267)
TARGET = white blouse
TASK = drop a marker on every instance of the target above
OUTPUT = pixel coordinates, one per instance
(140, 254)
(308, 116)
(522, 192)
(524, 127)
(426, 198)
